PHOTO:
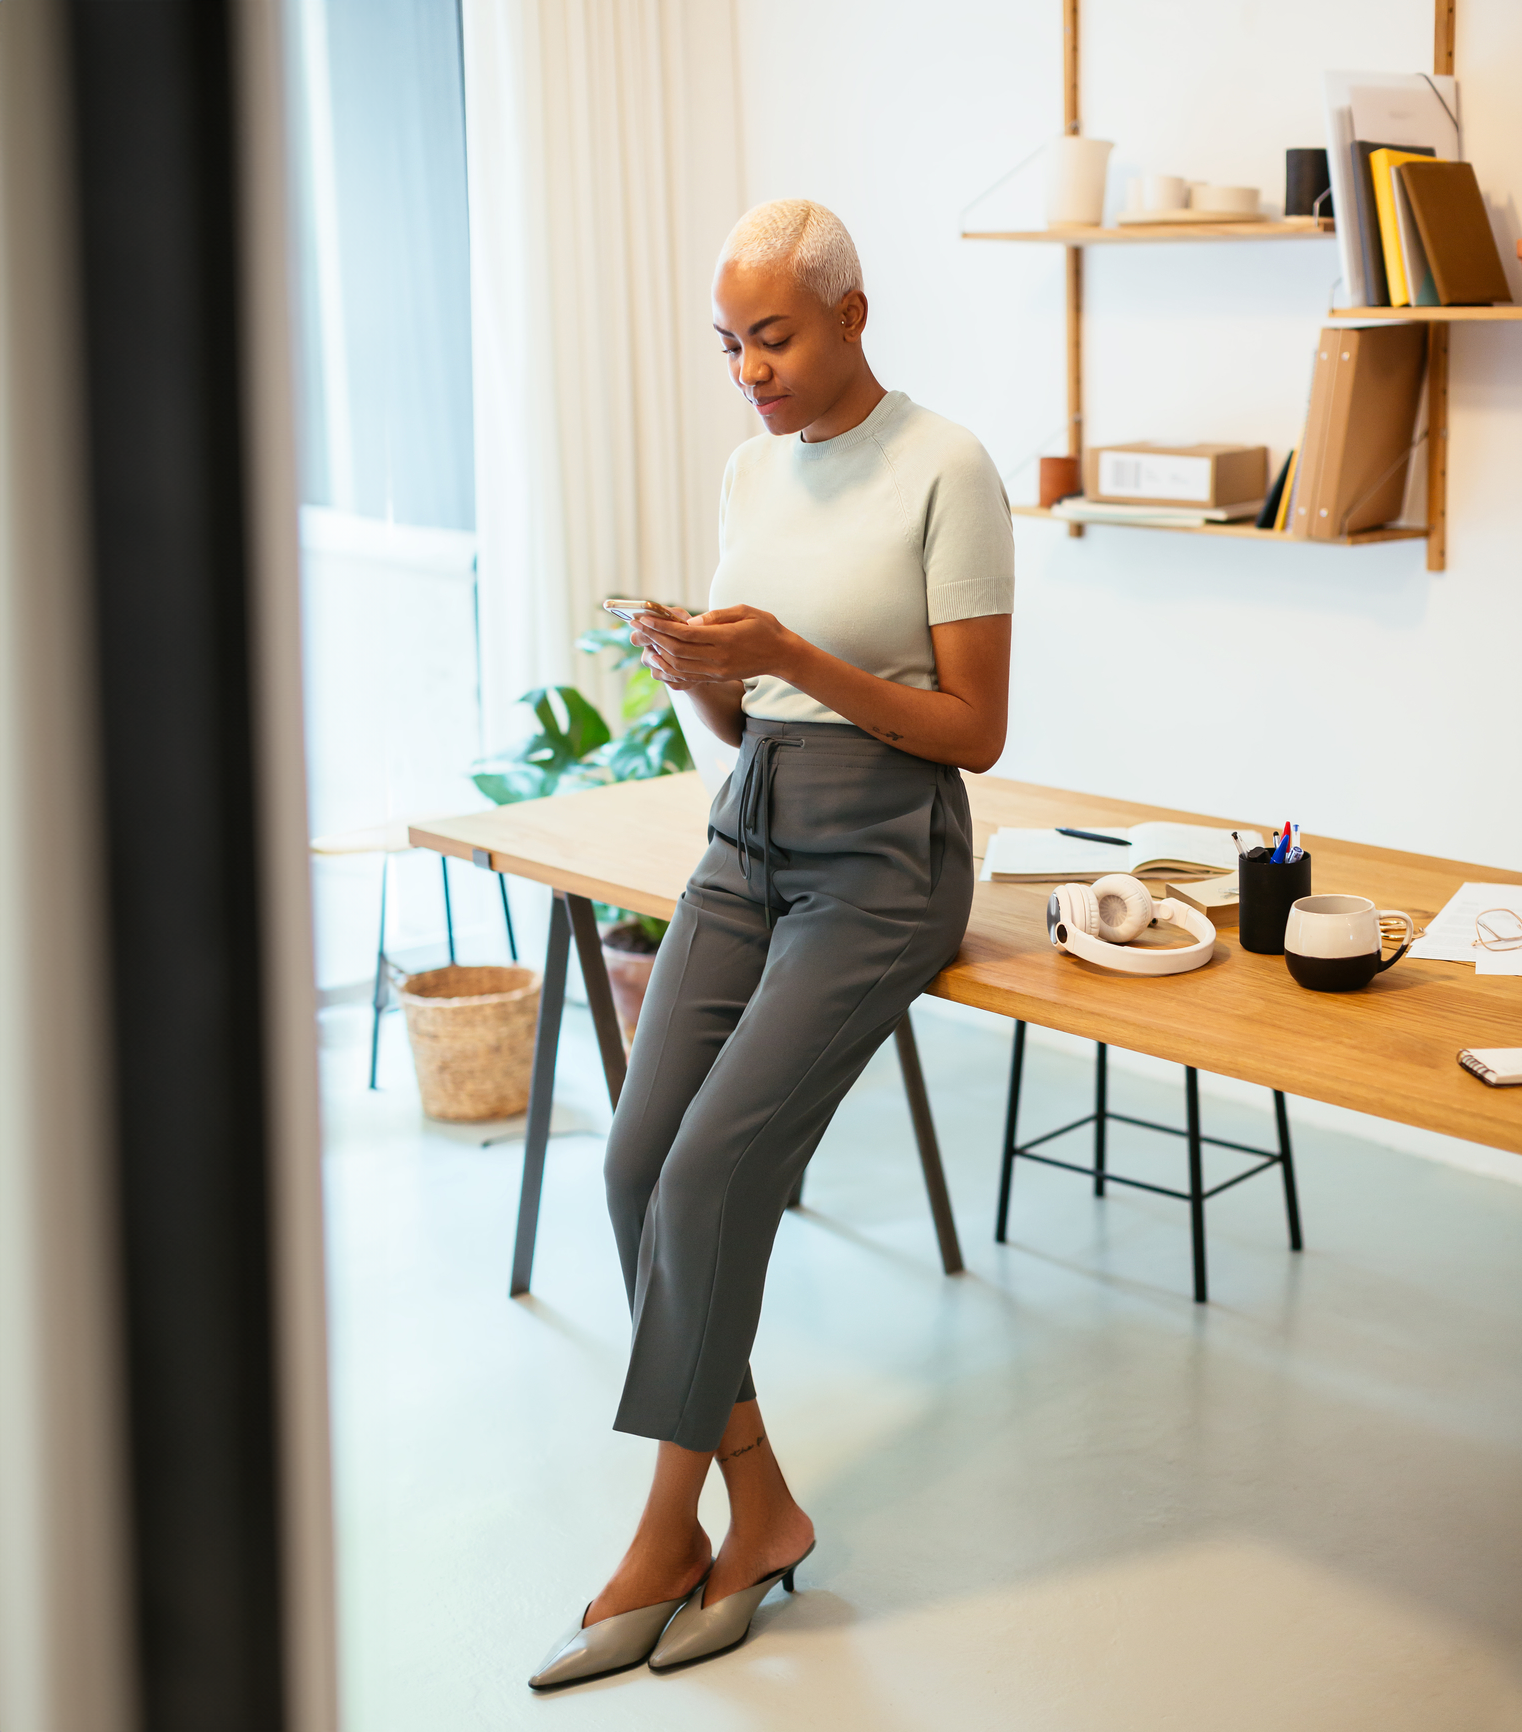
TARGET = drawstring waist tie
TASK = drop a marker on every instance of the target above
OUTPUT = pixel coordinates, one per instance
(755, 814)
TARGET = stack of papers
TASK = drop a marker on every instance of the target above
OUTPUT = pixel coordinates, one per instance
(1047, 856)
(1450, 936)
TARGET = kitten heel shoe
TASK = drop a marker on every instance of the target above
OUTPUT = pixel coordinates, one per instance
(610, 1645)
(700, 1632)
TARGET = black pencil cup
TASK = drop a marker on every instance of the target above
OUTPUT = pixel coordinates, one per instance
(1266, 894)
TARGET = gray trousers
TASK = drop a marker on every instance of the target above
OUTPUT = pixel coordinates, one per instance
(836, 885)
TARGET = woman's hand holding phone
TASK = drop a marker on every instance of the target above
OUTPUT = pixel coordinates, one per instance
(651, 657)
(729, 643)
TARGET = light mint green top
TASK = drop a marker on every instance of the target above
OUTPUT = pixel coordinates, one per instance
(861, 543)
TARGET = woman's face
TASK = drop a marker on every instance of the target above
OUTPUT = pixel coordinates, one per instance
(792, 356)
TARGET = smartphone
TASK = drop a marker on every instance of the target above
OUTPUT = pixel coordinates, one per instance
(629, 610)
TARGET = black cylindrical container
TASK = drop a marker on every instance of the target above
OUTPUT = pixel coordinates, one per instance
(1305, 179)
(1267, 892)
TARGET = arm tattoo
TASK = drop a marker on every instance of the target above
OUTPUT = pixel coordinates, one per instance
(887, 734)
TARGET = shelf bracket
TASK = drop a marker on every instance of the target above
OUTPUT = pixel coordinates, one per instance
(1444, 25)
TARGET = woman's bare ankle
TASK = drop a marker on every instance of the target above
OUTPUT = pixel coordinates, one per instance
(656, 1567)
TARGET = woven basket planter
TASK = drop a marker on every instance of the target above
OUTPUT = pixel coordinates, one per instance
(472, 1035)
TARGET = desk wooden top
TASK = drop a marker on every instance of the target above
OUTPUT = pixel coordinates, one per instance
(1388, 1050)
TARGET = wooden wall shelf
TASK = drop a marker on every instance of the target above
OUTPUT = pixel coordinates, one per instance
(1431, 315)
(1242, 531)
(1090, 235)
(1074, 237)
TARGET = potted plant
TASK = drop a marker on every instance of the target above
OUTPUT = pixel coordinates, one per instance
(575, 748)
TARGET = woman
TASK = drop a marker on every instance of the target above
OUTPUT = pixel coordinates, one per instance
(857, 651)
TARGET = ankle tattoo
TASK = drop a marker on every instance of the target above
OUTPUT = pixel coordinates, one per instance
(744, 1449)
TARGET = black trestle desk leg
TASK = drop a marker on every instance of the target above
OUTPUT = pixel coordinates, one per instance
(1196, 1181)
(1101, 1053)
(1287, 1163)
(930, 1153)
(448, 909)
(541, 1093)
(1011, 1118)
(594, 976)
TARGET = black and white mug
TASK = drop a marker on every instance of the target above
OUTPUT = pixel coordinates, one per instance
(1332, 943)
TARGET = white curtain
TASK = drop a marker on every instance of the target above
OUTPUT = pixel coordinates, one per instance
(602, 141)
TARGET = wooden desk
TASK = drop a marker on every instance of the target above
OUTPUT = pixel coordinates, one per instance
(633, 845)
(1388, 1050)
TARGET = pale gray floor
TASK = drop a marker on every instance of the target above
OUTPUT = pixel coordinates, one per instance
(1051, 1494)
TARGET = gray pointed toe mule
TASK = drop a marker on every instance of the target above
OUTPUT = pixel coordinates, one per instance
(610, 1645)
(700, 1632)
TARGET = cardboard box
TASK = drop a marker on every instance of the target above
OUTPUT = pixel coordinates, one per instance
(1201, 475)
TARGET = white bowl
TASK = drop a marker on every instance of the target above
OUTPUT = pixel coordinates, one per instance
(1243, 200)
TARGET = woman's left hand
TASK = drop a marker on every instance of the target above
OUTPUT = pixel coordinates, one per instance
(730, 643)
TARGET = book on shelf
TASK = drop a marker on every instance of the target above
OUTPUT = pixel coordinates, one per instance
(1313, 440)
(1268, 517)
(1365, 392)
(1378, 162)
(1456, 234)
(1421, 289)
(1287, 494)
(1047, 856)
(1370, 225)
(1406, 111)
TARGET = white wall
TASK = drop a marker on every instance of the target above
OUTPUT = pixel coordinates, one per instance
(1345, 687)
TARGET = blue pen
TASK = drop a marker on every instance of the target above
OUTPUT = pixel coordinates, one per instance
(1295, 850)
(1281, 848)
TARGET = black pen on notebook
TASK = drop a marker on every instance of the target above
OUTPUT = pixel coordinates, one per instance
(1093, 836)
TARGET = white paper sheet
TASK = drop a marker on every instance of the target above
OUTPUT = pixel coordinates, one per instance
(1450, 935)
(1498, 961)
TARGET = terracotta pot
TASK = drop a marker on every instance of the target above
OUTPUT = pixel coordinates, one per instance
(628, 975)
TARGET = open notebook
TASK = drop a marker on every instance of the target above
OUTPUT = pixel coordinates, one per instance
(1041, 856)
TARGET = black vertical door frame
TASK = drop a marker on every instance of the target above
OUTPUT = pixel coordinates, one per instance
(154, 137)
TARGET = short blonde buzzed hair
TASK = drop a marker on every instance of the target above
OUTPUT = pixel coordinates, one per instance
(796, 231)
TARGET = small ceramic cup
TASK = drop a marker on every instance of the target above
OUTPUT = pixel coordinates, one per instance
(1332, 943)
(1165, 192)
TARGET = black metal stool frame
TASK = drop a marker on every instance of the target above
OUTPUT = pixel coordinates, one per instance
(1196, 1196)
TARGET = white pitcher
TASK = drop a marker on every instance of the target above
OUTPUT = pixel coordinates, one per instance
(1075, 179)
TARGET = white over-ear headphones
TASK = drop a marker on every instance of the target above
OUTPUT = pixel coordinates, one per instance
(1095, 921)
